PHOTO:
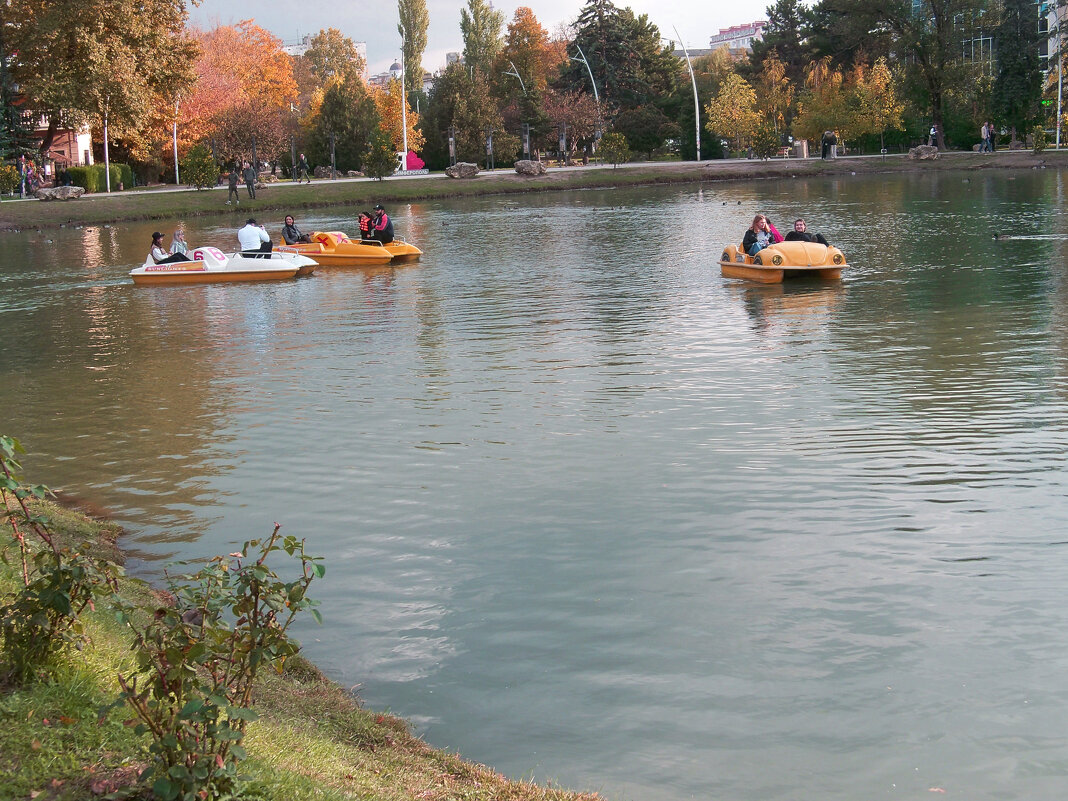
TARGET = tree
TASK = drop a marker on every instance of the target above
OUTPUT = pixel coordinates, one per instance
(332, 54)
(784, 40)
(1018, 85)
(879, 102)
(645, 128)
(614, 148)
(528, 49)
(732, 112)
(199, 168)
(98, 58)
(577, 111)
(346, 110)
(379, 160)
(414, 21)
(481, 27)
(775, 94)
(630, 66)
(388, 103)
(927, 34)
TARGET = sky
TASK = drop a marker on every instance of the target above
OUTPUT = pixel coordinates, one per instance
(376, 22)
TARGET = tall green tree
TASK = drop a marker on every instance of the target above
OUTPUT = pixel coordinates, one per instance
(786, 39)
(414, 21)
(631, 65)
(332, 54)
(481, 27)
(928, 33)
(1018, 85)
(349, 113)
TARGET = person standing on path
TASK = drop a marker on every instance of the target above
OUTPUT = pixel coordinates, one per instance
(825, 144)
(231, 180)
(302, 169)
(933, 137)
(834, 144)
(250, 180)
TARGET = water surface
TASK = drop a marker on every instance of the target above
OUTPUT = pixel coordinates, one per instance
(593, 514)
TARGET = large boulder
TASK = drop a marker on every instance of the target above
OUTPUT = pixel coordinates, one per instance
(528, 167)
(923, 153)
(462, 169)
(354, 174)
(60, 193)
(323, 172)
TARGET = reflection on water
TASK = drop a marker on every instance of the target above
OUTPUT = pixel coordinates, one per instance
(593, 513)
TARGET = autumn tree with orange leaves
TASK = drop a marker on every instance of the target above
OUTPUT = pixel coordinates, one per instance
(388, 101)
(244, 88)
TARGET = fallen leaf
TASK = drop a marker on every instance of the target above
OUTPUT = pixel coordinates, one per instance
(935, 790)
(65, 720)
(36, 745)
(34, 793)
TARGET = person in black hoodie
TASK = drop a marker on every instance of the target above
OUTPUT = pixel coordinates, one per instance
(801, 234)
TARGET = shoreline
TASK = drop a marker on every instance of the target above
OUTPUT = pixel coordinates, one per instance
(313, 739)
(166, 203)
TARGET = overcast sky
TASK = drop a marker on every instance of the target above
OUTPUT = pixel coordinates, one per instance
(376, 22)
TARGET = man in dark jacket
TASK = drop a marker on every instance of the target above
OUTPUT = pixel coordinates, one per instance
(250, 180)
(801, 234)
(382, 226)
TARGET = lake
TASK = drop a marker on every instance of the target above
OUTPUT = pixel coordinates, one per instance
(593, 514)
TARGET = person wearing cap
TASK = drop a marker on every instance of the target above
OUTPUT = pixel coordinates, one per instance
(254, 238)
(381, 226)
(159, 255)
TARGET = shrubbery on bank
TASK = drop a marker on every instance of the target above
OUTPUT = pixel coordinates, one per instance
(163, 694)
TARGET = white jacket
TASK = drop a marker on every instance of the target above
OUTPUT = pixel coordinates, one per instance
(251, 237)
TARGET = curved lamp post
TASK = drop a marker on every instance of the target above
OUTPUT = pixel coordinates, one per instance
(593, 83)
(515, 73)
(696, 104)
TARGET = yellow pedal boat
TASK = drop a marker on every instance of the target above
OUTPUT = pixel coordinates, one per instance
(403, 251)
(783, 260)
(335, 249)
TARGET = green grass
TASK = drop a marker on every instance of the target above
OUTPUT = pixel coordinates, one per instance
(313, 739)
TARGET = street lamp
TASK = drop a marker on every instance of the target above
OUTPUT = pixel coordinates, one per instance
(404, 112)
(593, 83)
(696, 104)
(515, 72)
(174, 134)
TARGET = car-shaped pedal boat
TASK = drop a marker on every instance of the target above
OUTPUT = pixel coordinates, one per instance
(335, 249)
(210, 265)
(783, 260)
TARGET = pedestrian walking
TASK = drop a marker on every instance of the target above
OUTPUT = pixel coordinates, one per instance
(231, 181)
(302, 169)
(250, 180)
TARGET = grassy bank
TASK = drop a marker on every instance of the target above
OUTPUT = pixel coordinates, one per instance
(312, 740)
(174, 205)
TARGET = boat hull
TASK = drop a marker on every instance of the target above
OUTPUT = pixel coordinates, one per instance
(335, 249)
(210, 266)
(783, 260)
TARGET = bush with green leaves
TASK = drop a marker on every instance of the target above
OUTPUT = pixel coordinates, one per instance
(199, 168)
(1038, 139)
(614, 148)
(43, 614)
(9, 179)
(197, 661)
(379, 161)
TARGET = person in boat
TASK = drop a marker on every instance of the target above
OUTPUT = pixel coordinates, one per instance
(801, 234)
(759, 235)
(178, 243)
(292, 235)
(161, 256)
(365, 224)
(382, 226)
(254, 239)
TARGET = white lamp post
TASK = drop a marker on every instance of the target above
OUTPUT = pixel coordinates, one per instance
(696, 104)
